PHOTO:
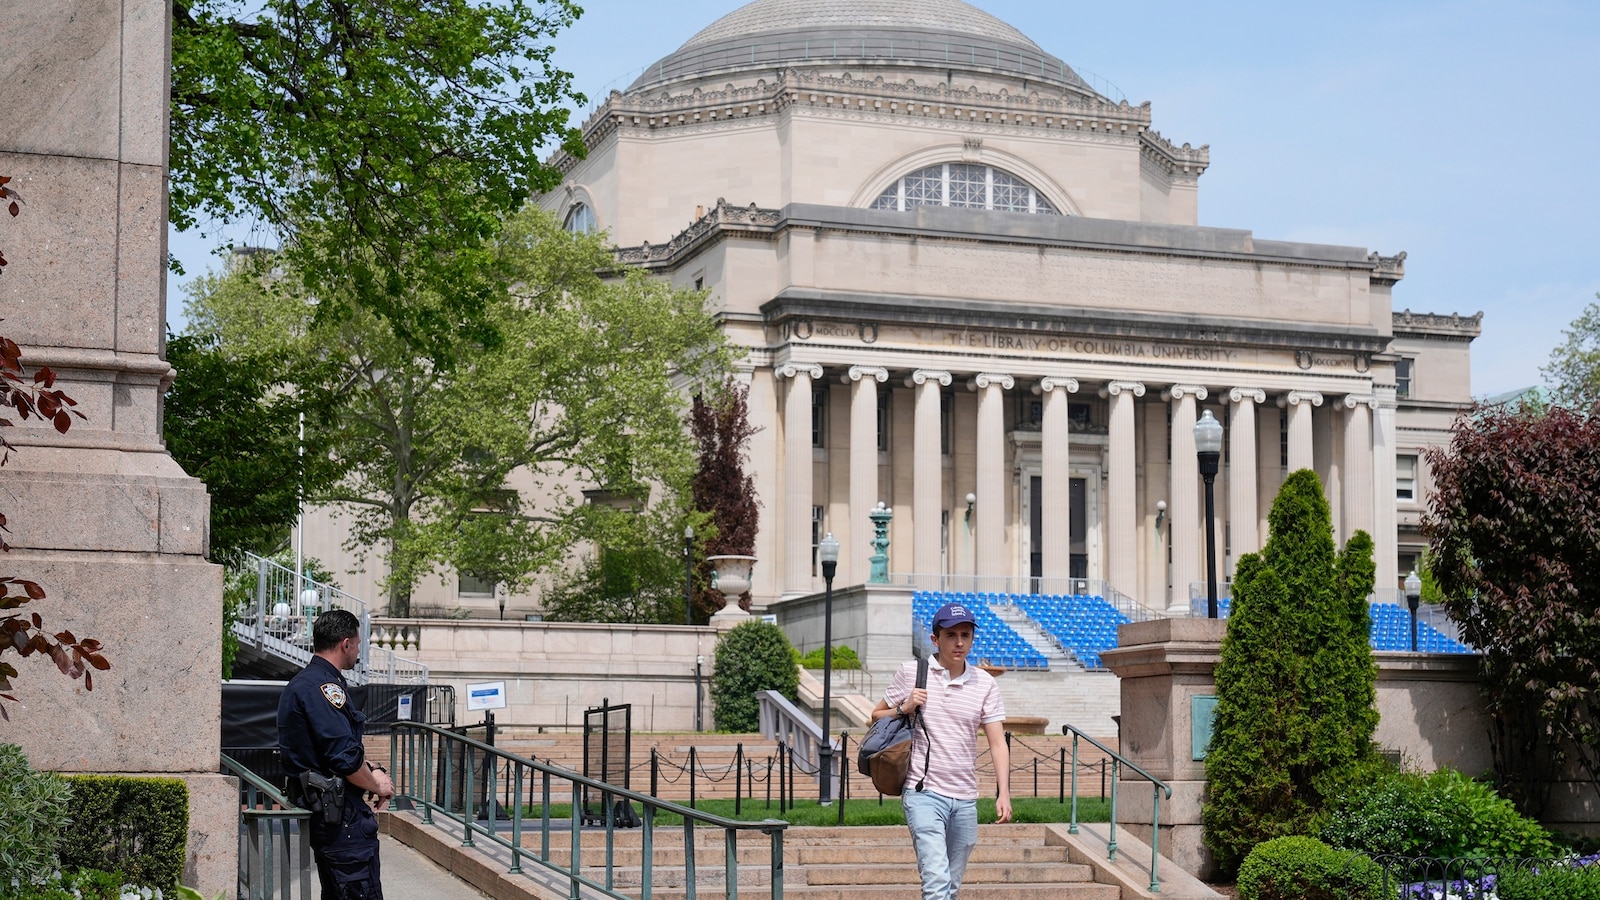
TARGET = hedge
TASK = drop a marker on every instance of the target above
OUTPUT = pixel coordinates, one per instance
(138, 827)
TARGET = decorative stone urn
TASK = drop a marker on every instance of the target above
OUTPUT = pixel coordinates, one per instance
(731, 577)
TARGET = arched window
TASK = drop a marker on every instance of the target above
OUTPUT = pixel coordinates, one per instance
(580, 218)
(967, 186)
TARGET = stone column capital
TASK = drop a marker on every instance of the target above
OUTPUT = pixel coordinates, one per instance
(1051, 382)
(1113, 388)
(1240, 395)
(1179, 391)
(795, 370)
(923, 376)
(1295, 398)
(856, 373)
(1351, 401)
(985, 379)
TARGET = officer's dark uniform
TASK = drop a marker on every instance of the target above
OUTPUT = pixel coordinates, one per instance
(320, 730)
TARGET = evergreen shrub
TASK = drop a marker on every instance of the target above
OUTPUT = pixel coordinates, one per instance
(1295, 714)
(843, 658)
(33, 811)
(1556, 882)
(1304, 868)
(1444, 814)
(755, 656)
(138, 827)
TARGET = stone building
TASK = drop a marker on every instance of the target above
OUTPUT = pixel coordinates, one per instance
(973, 286)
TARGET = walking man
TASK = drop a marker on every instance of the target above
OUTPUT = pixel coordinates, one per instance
(319, 735)
(941, 789)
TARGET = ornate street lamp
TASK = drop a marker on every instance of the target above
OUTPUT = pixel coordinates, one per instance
(828, 553)
(1413, 598)
(1208, 449)
(688, 574)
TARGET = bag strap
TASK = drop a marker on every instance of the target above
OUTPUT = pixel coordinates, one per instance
(927, 741)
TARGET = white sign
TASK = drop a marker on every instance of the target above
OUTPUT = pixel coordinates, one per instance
(486, 695)
(403, 711)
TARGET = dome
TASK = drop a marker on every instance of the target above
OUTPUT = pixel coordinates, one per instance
(937, 34)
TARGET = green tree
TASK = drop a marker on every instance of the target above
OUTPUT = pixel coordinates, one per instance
(635, 577)
(1514, 521)
(724, 492)
(382, 141)
(755, 656)
(233, 422)
(1574, 369)
(478, 466)
(1295, 712)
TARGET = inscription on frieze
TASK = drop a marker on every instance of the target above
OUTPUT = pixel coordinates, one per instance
(1085, 346)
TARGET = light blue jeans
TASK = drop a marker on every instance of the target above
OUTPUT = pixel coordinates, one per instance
(943, 831)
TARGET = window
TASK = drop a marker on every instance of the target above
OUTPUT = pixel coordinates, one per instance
(965, 186)
(947, 415)
(1079, 415)
(883, 419)
(819, 415)
(580, 219)
(1402, 378)
(1405, 477)
(816, 539)
(1283, 438)
(469, 584)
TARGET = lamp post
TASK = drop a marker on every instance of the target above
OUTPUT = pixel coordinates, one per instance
(1208, 448)
(828, 553)
(688, 574)
(1413, 597)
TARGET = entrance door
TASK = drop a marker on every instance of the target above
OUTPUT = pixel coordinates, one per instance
(1035, 527)
(1078, 489)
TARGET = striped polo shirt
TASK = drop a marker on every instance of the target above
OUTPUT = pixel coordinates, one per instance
(956, 709)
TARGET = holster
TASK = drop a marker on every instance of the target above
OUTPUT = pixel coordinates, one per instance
(319, 794)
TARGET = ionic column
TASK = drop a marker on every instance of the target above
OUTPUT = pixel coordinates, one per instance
(1386, 544)
(1122, 523)
(1242, 511)
(863, 381)
(927, 472)
(797, 475)
(1055, 478)
(1357, 469)
(990, 509)
(1183, 502)
(1299, 404)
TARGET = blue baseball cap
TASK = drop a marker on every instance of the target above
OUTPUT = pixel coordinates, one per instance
(953, 614)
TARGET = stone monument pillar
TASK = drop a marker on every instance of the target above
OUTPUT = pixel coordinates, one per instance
(102, 517)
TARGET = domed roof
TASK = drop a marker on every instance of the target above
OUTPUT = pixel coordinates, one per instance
(944, 34)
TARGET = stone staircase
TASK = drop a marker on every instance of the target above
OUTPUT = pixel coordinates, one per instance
(1012, 862)
(1060, 660)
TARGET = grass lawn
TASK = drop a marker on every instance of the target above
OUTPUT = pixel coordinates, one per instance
(865, 812)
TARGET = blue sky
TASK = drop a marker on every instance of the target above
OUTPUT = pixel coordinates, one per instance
(1459, 132)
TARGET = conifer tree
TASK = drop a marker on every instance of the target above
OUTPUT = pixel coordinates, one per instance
(1295, 713)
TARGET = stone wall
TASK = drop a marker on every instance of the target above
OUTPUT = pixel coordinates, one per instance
(102, 517)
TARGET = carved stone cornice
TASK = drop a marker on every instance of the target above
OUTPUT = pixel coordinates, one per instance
(722, 215)
(1387, 270)
(656, 109)
(1113, 388)
(923, 376)
(985, 379)
(1051, 382)
(856, 373)
(1295, 398)
(1437, 325)
(795, 370)
(1180, 164)
(1241, 394)
(1351, 401)
(1179, 391)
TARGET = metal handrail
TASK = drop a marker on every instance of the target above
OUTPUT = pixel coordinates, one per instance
(1118, 762)
(413, 751)
(266, 817)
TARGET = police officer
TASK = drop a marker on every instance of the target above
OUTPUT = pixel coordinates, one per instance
(319, 735)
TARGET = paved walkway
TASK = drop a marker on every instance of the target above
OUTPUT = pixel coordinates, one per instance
(408, 875)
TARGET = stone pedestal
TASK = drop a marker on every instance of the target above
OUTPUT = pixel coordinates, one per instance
(1163, 665)
(102, 517)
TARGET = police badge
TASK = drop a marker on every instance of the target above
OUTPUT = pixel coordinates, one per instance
(335, 694)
